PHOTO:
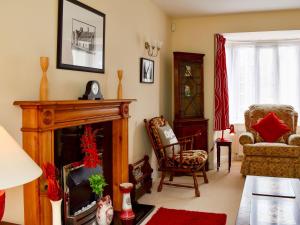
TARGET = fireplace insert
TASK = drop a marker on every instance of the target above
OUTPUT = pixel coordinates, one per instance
(79, 200)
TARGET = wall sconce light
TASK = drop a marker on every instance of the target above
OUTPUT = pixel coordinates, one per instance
(153, 47)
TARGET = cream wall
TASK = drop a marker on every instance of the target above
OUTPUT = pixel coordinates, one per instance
(197, 35)
(29, 30)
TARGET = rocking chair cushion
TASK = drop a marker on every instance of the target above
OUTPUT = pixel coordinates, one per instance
(191, 158)
(168, 137)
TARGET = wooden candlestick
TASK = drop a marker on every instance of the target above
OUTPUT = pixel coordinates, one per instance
(44, 62)
(120, 91)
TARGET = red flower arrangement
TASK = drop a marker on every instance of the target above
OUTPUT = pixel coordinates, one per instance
(88, 144)
(54, 191)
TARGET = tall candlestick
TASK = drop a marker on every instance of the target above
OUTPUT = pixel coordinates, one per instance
(44, 62)
(120, 91)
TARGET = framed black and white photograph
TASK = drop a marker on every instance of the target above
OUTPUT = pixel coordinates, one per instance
(81, 37)
(147, 71)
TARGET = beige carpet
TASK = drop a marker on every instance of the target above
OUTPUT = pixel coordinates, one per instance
(221, 195)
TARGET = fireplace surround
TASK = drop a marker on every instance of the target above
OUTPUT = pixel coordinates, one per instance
(40, 119)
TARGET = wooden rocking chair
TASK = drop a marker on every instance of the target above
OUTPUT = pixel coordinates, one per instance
(184, 160)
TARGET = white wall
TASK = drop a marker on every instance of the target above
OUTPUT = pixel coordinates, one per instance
(29, 30)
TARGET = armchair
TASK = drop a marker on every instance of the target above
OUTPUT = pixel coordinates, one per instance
(177, 156)
(277, 159)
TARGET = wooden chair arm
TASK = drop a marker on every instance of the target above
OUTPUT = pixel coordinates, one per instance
(182, 148)
(164, 147)
(180, 143)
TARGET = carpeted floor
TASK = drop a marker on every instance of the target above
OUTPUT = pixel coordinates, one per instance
(221, 195)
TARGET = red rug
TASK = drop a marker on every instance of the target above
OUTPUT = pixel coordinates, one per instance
(182, 217)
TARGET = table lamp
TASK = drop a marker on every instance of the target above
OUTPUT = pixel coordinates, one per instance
(231, 132)
(16, 167)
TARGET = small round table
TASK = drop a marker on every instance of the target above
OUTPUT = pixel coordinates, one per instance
(224, 143)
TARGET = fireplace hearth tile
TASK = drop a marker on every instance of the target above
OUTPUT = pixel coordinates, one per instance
(141, 212)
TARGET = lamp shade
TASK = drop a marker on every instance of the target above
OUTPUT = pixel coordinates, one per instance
(16, 167)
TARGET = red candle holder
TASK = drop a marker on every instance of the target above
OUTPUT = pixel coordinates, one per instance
(127, 215)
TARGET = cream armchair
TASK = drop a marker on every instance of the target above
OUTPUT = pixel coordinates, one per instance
(278, 159)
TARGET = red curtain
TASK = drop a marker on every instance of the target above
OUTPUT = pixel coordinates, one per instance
(221, 86)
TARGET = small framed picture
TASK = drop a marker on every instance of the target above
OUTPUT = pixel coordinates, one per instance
(147, 71)
(81, 37)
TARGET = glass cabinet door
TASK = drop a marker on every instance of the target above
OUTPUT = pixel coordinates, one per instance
(190, 78)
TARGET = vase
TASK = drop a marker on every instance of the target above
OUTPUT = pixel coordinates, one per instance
(56, 212)
(127, 215)
(105, 212)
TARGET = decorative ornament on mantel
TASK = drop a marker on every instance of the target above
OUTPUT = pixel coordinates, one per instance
(120, 90)
(44, 62)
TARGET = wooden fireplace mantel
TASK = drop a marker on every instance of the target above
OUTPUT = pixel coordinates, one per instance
(41, 118)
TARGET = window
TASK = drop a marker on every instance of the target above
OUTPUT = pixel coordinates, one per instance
(262, 72)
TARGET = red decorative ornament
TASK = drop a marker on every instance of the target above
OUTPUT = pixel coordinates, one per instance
(88, 144)
(49, 171)
(54, 191)
(2, 204)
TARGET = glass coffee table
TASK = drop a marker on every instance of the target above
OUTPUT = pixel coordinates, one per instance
(270, 201)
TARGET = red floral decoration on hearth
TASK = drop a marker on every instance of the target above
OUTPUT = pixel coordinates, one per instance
(89, 146)
(54, 191)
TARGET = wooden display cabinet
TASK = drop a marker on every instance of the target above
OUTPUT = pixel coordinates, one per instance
(189, 98)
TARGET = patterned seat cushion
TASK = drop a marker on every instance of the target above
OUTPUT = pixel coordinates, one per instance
(190, 158)
(271, 149)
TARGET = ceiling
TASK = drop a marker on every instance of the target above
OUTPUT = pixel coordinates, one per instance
(183, 8)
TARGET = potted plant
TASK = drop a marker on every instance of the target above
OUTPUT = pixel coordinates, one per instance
(104, 214)
(97, 183)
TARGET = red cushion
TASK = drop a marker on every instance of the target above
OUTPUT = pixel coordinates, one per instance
(271, 128)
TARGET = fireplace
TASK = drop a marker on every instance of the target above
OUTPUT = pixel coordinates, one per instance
(43, 120)
(78, 200)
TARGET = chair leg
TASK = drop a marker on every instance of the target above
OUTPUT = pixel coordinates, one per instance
(197, 192)
(171, 176)
(159, 188)
(204, 175)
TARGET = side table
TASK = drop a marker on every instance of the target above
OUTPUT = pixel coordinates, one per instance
(224, 143)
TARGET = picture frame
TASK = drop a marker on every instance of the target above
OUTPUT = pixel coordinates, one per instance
(81, 37)
(146, 70)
